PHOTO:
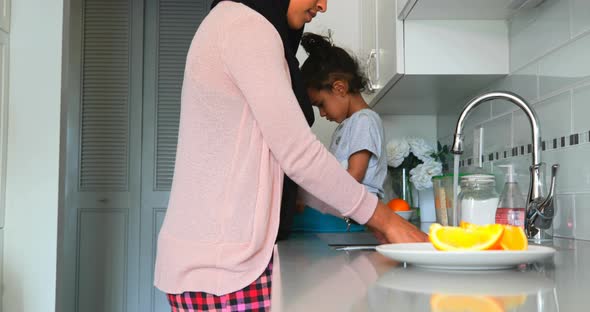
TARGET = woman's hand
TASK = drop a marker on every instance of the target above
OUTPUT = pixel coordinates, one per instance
(389, 227)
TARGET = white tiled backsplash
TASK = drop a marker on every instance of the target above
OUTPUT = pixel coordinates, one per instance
(550, 68)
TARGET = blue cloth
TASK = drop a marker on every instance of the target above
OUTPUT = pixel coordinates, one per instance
(312, 220)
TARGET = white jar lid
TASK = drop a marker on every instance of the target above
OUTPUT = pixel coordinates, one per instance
(479, 178)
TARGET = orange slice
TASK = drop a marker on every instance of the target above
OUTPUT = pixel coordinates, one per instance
(514, 238)
(467, 225)
(456, 238)
(456, 303)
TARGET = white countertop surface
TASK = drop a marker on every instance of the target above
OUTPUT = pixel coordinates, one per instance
(309, 275)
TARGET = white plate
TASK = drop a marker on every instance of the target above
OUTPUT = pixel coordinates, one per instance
(425, 255)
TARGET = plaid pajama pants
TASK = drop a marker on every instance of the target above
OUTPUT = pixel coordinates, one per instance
(254, 297)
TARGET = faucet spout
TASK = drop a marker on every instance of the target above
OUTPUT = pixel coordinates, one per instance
(502, 95)
(535, 188)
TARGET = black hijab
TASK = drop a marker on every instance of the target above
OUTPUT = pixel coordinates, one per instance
(275, 11)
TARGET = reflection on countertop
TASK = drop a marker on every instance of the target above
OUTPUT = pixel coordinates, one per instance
(311, 276)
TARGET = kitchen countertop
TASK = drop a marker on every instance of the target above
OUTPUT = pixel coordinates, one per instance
(309, 275)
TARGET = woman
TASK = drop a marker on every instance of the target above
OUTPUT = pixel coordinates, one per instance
(244, 124)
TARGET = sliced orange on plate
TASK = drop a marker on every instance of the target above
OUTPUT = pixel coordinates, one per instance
(467, 225)
(513, 237)
(469, 239)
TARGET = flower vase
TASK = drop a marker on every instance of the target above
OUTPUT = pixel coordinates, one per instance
(403, 188)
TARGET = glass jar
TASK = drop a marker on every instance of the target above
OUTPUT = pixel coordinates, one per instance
(478, 199)
(443, 198)
(402, 186)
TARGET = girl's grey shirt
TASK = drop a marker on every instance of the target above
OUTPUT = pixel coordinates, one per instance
(363, 130)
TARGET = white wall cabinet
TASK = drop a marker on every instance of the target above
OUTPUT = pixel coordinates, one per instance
(415, 65)
(5, 15)
(462, 9)
(383, 39)
(368, 48)
(443, 62)
(390, 42)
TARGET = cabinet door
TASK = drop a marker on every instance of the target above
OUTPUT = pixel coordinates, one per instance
(5, 15)
(101, 234)
(368, 50)
(390, 32)
(170, 26)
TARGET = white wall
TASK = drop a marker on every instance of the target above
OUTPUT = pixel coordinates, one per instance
(342, 18)
(400, 126)
(30, 237)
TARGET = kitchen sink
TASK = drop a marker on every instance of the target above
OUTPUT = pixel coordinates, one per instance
(349, 240)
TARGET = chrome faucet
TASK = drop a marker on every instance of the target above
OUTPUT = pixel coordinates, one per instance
(539, 210)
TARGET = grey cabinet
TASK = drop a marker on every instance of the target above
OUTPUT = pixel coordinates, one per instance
(127, 64)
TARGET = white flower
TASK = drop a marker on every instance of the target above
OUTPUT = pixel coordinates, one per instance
(397, 151)
(421, 176)
(420, 149)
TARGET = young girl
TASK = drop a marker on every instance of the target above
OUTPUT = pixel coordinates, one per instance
(244, 148)
(334, 83)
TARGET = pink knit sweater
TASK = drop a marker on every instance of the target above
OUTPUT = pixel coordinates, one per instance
(241, 129)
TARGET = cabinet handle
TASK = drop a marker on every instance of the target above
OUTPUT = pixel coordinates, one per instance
(372, 86)
(103, 200)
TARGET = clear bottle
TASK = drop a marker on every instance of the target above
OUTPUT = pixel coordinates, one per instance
(478, 199)
(511, 208)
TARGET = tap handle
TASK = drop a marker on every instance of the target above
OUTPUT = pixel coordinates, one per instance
(546, 210)
(554, 170)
